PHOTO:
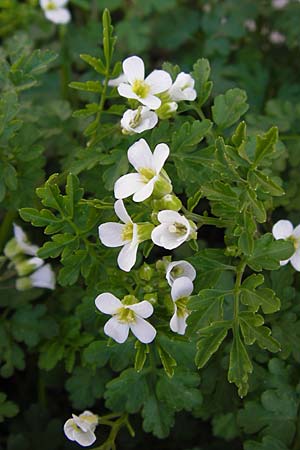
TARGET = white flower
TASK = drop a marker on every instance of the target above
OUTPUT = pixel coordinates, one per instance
(81, 428)
(250, 25)
(279, 4)
(126, 317)
(44, 277)
(284, 229)
(183, 88)
(149, 167)
(114, 234)
(55, 12)
(141, 89)
(177, 269)
(138, 120)
(19, 244)
(174, 229)
(276, 37)
(117, 81)
(181, 290)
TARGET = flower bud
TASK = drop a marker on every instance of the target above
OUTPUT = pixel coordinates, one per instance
(129, 300)
(27, 266)
(146, 272)
(23, 284)
(151, 297)
(169, 201)
(163, 185)
(167, 110)
(144, 231)
(12, 248)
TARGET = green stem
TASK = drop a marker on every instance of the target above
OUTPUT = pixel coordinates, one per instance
(204, 220)
(237, 286)
(5, 227)
(100, 107)
(289, 137)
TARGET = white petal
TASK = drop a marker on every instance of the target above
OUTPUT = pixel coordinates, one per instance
(151, 101)
(140, 155)
(182, 287)
(127, 256)
(284, 262)
(178, 324)
(128, 185)
(282, 229)
(143, 309)
(187, 270)
(190, 94)
(69, 429)
(61, 15)
(121, 212)
(116, 330)
(110, 234)
(143, 330)
(159, 81)
(296, 232)
(145, 192)
(169, 216)
(295, 260)
(23, 242)
(134, 68)
(125, 90)
(116, 81)
(184, 81)
(84, 438)
(44, 277)
(108, 303)
(162, 237)
(160, 155)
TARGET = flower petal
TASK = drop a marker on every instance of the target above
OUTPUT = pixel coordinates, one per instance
(182, 287)
(143, 309)
(60, 15)
(145, 192)
(296, 232)
(169, 216)
(159, 81)
(23, 242)
(134, 68)
(110, 234)
(125, 90)
(187, 270)
(282, 229)
(108, 303)
(117, 330)
(117, 81)
(151, 101)
(44, 277)
(178, 323)
(84, 438)
(162, 237)
(127, 256)
(160, 155)
(140, 155)
(143, 330)
(121, 212)
(295, 260)
(69, 429)
(128, 185)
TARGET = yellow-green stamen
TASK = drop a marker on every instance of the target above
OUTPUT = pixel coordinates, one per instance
(140, 88)
(178, 228)
(51, 6)
(181, 306)
(126, 315)
(127, 232)
(147, 174)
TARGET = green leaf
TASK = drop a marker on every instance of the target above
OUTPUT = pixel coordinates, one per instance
(201, 73)
(74, 194)
(262, 297)
(268, 443)
(210, 339)
(87, 86)
(240, 134)
(167, 360)
(268, 252)
(108, 39)
(51, 354)
(252, 330)
(8, 409)
(264, 182)
(95, 63)
(189, 135)
(42, 218)
(96, 354)
(57, 245)
(206, 308)
(194, 200)
(265, 145)
(228, 108)
(89, 110)
(158, 417)
(239, 365)
(140, 356)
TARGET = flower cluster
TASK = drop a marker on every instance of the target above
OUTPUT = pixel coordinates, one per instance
(55, 11)
(156, 93)
(81, 428)
(32, 271)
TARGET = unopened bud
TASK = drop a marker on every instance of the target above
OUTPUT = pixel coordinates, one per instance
(27, 266)
(23, 284)
(146, 272)
(169, 201)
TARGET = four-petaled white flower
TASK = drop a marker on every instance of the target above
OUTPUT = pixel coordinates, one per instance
(138, 120)
(114, 234)
(55, 12)
(149, 174)
(174, 230)
(284, 229)
(180, 292)
(141, 89)
(183, 88)
(125, 317)
(177, 269)
(81, 428)
(44, 277)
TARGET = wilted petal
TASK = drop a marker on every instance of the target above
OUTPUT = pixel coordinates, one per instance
(160, 156)
(128, 185)
(145, 192)
(116, 330)
(143, 330)
(282, 229)
(140, 155)
(127, 256)
(143, 309)
(134, 68)
(121, 212)
(59, 16)
(159, 81)
(178, 323)
(110, 234)
(107, 303)
(182, 287)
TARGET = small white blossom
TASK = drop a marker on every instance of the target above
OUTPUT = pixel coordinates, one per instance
(250, 25)
(114, 234)
(81, 428)
(126, 317)
(181, 290)
(283, 229)
(177, 269)
(174, 230)
(277, 38)
(44, 277)
(138, 120)
(117, 81)
(183, 88)
(55, 12)
(279, 4)
(141, 89)
(149, 172)
(19, 244)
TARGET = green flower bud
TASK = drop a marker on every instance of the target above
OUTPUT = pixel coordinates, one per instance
(163, 185)
(169, 201)
(23, 284)
(152, 298)
(12, 248)
(146, 272)
(144, 231)
(27, 266)
(129, 300)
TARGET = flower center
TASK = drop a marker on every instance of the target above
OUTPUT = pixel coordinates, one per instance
(136, 120)
(140, 88)
(127, 232)
(177, 271)
(178, 228)
(76, 427)
(126, 315)
(295, 241)
(147, 174)
(51, 6)
(181, 306)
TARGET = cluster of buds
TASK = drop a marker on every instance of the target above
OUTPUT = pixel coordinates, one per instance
(31, 270)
